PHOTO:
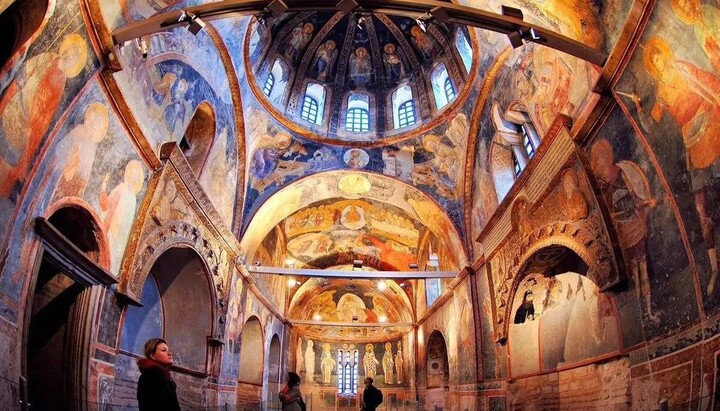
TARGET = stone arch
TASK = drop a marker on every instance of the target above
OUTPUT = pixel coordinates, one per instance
(250, 370)
(178, 292)
(579, 237)
(179, 234)
(437, 370)
(274, 366)
(558, 317)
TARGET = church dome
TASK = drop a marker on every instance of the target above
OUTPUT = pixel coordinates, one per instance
(358, 78)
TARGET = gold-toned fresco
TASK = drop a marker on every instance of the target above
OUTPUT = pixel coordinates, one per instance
(350, 301)
(387, 224)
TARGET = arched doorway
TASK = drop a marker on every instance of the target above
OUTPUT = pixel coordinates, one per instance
(61, 309)
(273, 384)
(177, 305)
(250, 371)
(437, 371)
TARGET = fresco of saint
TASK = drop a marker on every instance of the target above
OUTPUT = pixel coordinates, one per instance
(360, 67)
(691, 96)
(325, 60)
(299, 38)
(627, 194)
(29, 103)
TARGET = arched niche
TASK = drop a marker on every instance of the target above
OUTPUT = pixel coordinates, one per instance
(18, 22)
(274, 363)
(199, 136)
(251, 353)
(559, 317)
(56, 346)
(176, 298)
(437, 369)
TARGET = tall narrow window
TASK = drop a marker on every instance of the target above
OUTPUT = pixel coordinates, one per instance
(449, 90)
(432, 290)
(516, 165)
(357, 119)
(313, 104)
(347, 372)
(463, 46)
(403, 107)
(527, 142)
(276, 83)
(443, 89)
(269, 83)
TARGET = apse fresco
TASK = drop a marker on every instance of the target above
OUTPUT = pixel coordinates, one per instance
(356, 226)
(324, 362)
(49, 74)
(558, 321)
(646, 221)
(168, 91)
(389, 197)
(670, 94)
(89, 162)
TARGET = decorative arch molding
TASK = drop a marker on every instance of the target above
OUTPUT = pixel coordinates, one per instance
(586, 238)
(180, 234)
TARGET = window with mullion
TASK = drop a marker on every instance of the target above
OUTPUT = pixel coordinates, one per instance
(406, 114)
(309, 109)
(449, 89)
(269, 83)
(357, 120)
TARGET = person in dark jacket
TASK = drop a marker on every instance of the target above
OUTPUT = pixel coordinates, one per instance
(372, 397)
(156, 388)
(290, 396)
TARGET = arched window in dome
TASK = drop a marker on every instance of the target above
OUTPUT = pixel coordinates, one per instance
(443, 89)
(313, 104)
(275, 88)
(403, 107)
(463, 46)
(269, 83)
(357, 119)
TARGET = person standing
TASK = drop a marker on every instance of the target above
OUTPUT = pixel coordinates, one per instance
(156, 389)
(290, 396)
(372, 397)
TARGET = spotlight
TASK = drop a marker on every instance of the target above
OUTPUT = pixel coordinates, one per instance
(382, 319)
(357, 264)
(382, 285)
(413, 266)
(196, 24)
(317, 317)
(424, 21)
(292, 282)
(257, 263)
(362, 21)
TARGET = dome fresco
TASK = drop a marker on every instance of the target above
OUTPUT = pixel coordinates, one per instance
(359, 69)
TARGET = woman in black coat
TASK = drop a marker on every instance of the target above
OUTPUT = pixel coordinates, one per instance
(156, 388)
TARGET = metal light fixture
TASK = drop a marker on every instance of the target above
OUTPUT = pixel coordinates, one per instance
(357, 264)
(382, 285)
(195, 23)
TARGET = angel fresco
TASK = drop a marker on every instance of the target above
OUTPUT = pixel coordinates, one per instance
(119, 206)
(394, 69)
(325, 60)
(705, 20)
(360, 67)
(691, 96)
(299, 38)
(422, 43)
(29, 103)
(628, 195)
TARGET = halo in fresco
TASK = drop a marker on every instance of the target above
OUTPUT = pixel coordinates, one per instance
(356, 158)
